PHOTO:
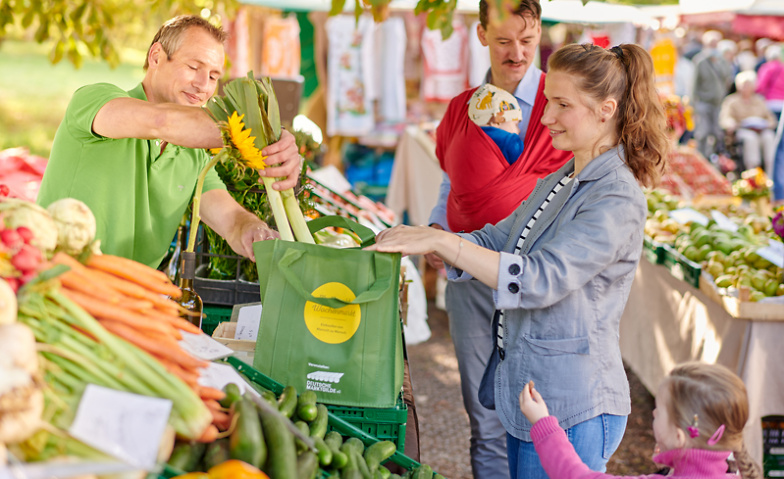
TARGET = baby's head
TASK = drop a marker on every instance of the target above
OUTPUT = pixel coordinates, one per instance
(493, 106)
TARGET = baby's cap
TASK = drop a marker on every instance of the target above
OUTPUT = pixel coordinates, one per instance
(489, 101)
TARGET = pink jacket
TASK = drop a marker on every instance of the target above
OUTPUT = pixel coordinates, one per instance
(560, 460)
(770, 80)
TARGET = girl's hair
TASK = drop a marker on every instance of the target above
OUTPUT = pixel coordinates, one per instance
(171, 33)
(707, 396)
(624, 73)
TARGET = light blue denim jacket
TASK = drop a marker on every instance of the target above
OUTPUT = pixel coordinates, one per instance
(564, 294)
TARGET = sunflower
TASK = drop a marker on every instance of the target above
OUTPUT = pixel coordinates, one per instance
(243, 142)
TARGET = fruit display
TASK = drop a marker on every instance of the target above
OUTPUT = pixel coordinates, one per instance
(689, 174)
(727, 251)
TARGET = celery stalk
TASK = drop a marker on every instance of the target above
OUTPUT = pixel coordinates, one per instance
(278, 209)
(295, 216)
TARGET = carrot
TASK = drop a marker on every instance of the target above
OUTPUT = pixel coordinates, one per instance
(134, 290)
(212, 404)
(176, 321)
(154, 347)
(209, 435)
(138, 273)
(103, 310)
(220, 419)
(80, 278)
(191, 378)
(206, 392)
(170, 338)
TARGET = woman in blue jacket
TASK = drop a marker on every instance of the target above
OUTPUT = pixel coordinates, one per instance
(562, 264)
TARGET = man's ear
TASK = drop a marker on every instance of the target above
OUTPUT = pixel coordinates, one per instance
(156, 55)
(482, 34)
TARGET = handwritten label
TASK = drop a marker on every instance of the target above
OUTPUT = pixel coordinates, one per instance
(248, 320)
(204, 347)
(688, 215)
(723, 222)
(774, 252)
(218, 375)
(124, 425)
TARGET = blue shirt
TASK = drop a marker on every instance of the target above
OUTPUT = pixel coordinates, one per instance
(511, 145)
(526, 95)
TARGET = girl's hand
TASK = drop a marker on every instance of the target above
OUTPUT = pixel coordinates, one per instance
(532, 404)
(407, 240)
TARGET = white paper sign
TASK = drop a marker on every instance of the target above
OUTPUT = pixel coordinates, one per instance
(218, 375)
(688, 215)
(774, 252)
(332, 178)
(204, 347)
(124, 425)
(248, 320)
(723, 222)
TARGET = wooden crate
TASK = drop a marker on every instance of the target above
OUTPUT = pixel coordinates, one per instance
(244, 349)
(738, 308)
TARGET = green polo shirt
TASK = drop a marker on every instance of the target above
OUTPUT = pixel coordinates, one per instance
(137, 194)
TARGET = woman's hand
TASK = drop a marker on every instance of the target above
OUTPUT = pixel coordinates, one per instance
(532, 404)
(408, 240)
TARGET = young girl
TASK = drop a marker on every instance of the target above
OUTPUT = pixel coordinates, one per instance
(700, 413)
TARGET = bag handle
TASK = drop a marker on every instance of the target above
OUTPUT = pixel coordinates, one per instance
(384, 273)
(366, 236)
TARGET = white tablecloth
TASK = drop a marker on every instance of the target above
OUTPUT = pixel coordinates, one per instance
(416, 176)
(667, 322)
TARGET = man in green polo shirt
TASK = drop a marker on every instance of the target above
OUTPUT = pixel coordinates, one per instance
(134, 156)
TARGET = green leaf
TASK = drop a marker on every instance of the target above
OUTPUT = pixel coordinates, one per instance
(357, 10)
(338, 6)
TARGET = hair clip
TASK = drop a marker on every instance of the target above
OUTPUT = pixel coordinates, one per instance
(694, 430)
(716, 437)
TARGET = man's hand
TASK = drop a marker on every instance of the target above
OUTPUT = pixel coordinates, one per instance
(532, 404)
(432, 259)
(250, 232)
(284, 160)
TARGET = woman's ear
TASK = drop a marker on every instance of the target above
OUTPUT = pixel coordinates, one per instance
(608, 109)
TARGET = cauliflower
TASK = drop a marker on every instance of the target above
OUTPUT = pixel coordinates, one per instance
(16, 213)
(75, 224)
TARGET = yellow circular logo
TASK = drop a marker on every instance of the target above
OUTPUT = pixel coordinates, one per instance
(332, 325)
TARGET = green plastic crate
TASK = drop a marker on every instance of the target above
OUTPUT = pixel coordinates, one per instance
(350, 421)
(213, 316)
(653, 250)
(682, 267)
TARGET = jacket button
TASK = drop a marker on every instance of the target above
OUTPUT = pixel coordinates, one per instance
(514, 269)
(513, 288)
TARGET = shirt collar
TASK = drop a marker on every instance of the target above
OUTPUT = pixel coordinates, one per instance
(694, 462)
(603, 164)
(528, 86)
(138, 92)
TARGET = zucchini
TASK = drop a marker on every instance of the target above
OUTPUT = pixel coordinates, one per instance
(233, 395)
(377, 453)
(247, 441)
(287, 402)
(318, 428)
(307, 465)
(306, 406)
(282, 459)
(186, 455)
(217, 453)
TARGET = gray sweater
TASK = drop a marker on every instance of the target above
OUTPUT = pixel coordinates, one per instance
(564, 294)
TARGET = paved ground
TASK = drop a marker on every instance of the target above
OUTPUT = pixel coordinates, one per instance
(443, 423)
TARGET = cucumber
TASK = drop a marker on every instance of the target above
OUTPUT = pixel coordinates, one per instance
(354, 444)
(324, 452)
(282, 460)
(217, 453)
(362, 465)
(377, 474)
(269, 396)
(350, 474)
(306, 406)
(395, 476)
(334, 441)
(303, 427)
(438, 476)
(385, 473)
(307, 465)
(186, 455)
(246, 442)
(233, 395)
(318, 428)
(287, 402)
(379, 452)
(423, 472)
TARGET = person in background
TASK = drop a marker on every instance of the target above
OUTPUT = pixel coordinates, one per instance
(701, 410)
(496, 112)
(134, 156)
(729, 49)
(712, 78)
(476, 190)
(770, 79)
(759, 48)
(745, 116)
(561, 266)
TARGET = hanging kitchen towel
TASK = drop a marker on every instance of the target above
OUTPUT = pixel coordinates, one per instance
(280, 51)
(445, 63)
(330, 321)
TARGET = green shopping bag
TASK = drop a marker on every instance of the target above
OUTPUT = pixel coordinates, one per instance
(330, 319)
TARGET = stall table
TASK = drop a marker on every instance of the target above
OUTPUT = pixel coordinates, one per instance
(667, 321)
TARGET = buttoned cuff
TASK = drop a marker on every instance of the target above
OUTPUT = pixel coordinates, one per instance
(510, 272)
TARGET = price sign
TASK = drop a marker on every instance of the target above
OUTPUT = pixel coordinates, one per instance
(723, 222)
(204, 347)
(124, 425)
(218, 375)
(774, 252)
(688, 215)
(248, 320)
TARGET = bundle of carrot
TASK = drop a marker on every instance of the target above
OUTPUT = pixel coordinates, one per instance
(132, 301)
